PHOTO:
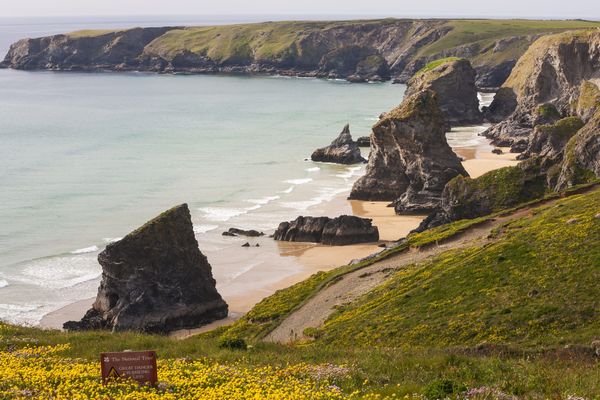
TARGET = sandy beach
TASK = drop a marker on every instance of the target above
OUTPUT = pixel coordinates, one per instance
(284, 263)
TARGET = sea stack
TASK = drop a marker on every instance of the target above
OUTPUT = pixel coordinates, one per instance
(411, 160)
(453, 80)
(155, 280)
(343, 150)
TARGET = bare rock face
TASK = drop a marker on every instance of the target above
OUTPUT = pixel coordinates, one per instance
(343, 150)
(453, 80)
(155, 280)
(549, 140)
(411, 160)
(338, 231)
(544, 85)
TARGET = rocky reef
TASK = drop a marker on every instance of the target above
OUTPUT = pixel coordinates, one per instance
(411, 160)
(155, 280)
(545, 85)
(339, 231)
(453, 80)
(368, 50)
(343, 150)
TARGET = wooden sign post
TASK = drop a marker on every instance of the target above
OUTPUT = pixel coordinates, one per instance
(137, 365)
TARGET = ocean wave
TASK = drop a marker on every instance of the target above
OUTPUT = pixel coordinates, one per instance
(241, 272)
(60, 272)
(198, 229)
(91, 249)
(112, 240)
(222, 214)
(313, 169)
(3, 283)
(300, 181)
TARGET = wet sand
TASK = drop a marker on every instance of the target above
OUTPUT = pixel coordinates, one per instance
(284, 263)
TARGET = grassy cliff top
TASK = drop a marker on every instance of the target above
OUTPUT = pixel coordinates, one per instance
(276, 39)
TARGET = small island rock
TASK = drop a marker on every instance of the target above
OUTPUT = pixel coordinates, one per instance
(343, 150)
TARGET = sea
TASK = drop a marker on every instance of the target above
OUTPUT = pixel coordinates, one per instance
(86, 158)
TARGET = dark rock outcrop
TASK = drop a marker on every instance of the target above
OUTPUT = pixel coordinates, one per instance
(338, 231)
(242, 232)
(364, 141)
(454, 83)
(411, 160)
(155, 280)
(549, 140)
(343, 150)
(545, 84)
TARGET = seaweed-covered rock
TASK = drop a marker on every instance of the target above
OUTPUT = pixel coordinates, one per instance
(411, 160)
(242, 232)
(155, 280)
(581, 158)
(548, 141)
(343, 150)
(453, 80)
(466, 198)
(338, 231)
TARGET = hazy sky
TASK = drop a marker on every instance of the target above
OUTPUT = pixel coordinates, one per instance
(589, 9)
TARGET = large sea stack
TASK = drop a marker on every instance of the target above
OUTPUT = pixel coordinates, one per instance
(411, 160)
(155, 280)
(453, 80)
(343, 150)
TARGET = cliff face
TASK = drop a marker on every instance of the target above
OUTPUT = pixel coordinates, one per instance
(156, 280)
(357, 50)
(453, 80)
(544, 85)
(410, 160)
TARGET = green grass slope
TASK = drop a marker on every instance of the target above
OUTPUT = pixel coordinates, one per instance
(535, 285)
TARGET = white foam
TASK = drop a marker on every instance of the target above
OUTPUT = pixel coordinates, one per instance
(222, 214)
(350, 172)
(90, 249)
(3, 283)
(60, 272)
(263, 201)
(204, 228)
(288, 190)
(241, 272)
(112, 240)
(300, 205)
(313, 169)
(300, 181)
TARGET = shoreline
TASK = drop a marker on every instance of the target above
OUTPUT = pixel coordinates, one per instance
(286, 263)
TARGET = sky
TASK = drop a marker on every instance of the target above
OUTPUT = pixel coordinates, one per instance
(587, 9)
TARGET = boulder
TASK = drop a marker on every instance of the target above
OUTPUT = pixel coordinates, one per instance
(155, 280)
(343, 150)
(453, 80)
(411, 160)
(337, 231)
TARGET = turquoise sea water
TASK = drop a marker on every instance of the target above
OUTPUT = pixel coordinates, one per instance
(86, 158)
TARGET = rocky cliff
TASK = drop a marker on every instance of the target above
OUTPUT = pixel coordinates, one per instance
(358, 50)
(156, 280)
(453, 80)
(410, 160)
(343, 150)
(545, 84)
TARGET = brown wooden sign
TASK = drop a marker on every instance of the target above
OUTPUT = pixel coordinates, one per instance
(137, 365)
